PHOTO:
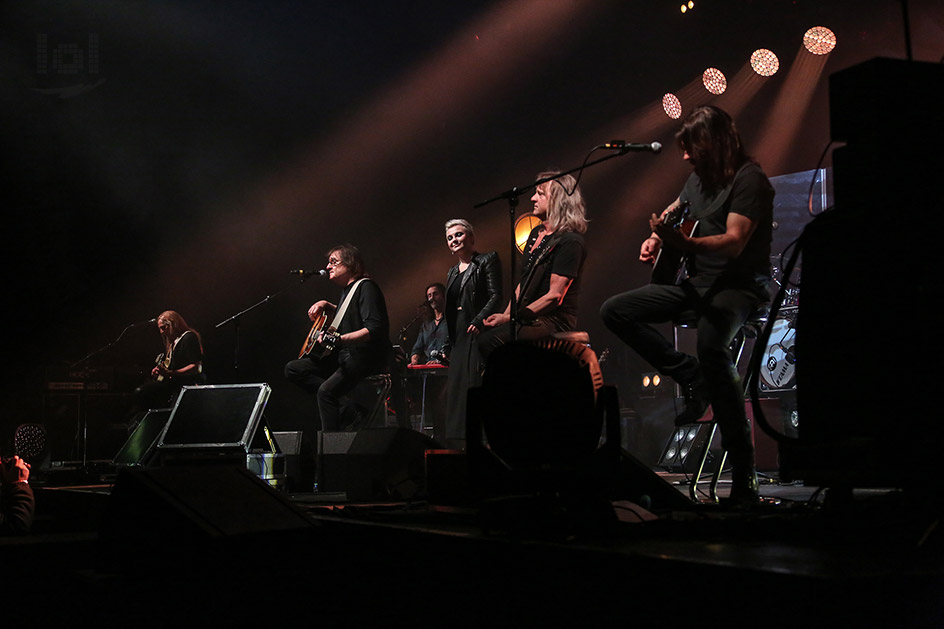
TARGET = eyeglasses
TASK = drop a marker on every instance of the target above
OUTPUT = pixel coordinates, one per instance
(334, 262)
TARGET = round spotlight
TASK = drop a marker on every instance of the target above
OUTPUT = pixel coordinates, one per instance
(656, 380)
(691, 434)
(523, 226)
(714, 81)
(672, 106)
(819, 40)
(670, 453)
(646, 382)
(680, 434)
(683, 452)
(765, 62)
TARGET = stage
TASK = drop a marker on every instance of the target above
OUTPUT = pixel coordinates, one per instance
(801, 557)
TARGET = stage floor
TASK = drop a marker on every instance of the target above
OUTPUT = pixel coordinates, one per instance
(877, 558)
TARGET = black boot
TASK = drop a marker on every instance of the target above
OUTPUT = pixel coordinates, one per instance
(744, 486)
(696, 402)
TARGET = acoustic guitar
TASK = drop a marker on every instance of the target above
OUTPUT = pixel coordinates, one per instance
(669, 261)
(320, 341)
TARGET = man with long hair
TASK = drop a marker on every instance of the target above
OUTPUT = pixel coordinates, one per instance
(549, 284)
(362, 347)
(181, 363)
(728, 265)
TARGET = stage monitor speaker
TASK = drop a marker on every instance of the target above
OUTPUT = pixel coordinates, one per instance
(139, 448)
(374, 464)
(637, 483)
(213, 423)
(179, 505)
(213, 519)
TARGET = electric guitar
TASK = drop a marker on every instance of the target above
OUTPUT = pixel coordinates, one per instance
(668, 264)
(320, 341)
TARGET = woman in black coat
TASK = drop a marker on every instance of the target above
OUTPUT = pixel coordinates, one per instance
(473, 292)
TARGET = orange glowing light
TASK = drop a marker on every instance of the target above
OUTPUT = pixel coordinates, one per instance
(765, 62)
(672, 106)
(819, 40)
(714, 80)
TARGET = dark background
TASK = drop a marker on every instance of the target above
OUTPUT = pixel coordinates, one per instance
(206, 148)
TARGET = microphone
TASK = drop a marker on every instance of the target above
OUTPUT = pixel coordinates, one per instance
(622, 145)
(305, 273)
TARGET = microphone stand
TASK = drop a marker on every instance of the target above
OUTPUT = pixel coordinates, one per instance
(511, 196)
(81, 436)
(236, 317)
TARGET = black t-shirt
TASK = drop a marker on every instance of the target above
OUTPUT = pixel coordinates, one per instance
(750, 195)
(560, 254)
(187, 352)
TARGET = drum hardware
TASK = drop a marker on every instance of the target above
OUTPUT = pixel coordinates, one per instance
(778, 370)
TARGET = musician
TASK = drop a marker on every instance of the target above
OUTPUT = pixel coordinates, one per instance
(473, 293)
(549, 286)
(432, 343)
(363, 346)
(180, 364)
(729, 271)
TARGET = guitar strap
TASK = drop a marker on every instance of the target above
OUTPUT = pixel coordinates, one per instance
(548, 247)
(342, 309)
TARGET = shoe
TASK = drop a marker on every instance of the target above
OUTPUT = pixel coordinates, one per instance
(744, 489)
(696, 402)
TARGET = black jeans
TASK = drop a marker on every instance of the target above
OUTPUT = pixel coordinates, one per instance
(329, 381)
(720, 313)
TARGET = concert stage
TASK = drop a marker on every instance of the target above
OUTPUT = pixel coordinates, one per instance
(134, 552)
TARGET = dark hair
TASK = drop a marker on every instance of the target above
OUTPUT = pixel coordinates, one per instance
(709, 136)
(350, 257)
(439, 285)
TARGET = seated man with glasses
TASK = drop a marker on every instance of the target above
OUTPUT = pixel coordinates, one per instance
(359, 345)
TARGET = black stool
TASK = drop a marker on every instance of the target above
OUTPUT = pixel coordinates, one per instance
(382, 382)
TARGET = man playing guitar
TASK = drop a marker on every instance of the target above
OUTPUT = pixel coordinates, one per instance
(728, 259)
(352, 346)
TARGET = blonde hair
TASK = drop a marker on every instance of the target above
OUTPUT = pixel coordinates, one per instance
(452, 222)
(566, 210)
(177, 327)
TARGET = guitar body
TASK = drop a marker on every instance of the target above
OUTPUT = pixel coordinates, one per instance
(320, 341)
(161, 360)
(668, 264)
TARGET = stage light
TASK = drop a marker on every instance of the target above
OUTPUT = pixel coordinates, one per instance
(523, 226)
(765, 62)
(819, 40)
(672, 106)
(714, 81)
(650, 384)
(687, 6)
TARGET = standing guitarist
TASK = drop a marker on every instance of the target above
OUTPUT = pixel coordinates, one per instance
(728, 264)
(357, 347)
